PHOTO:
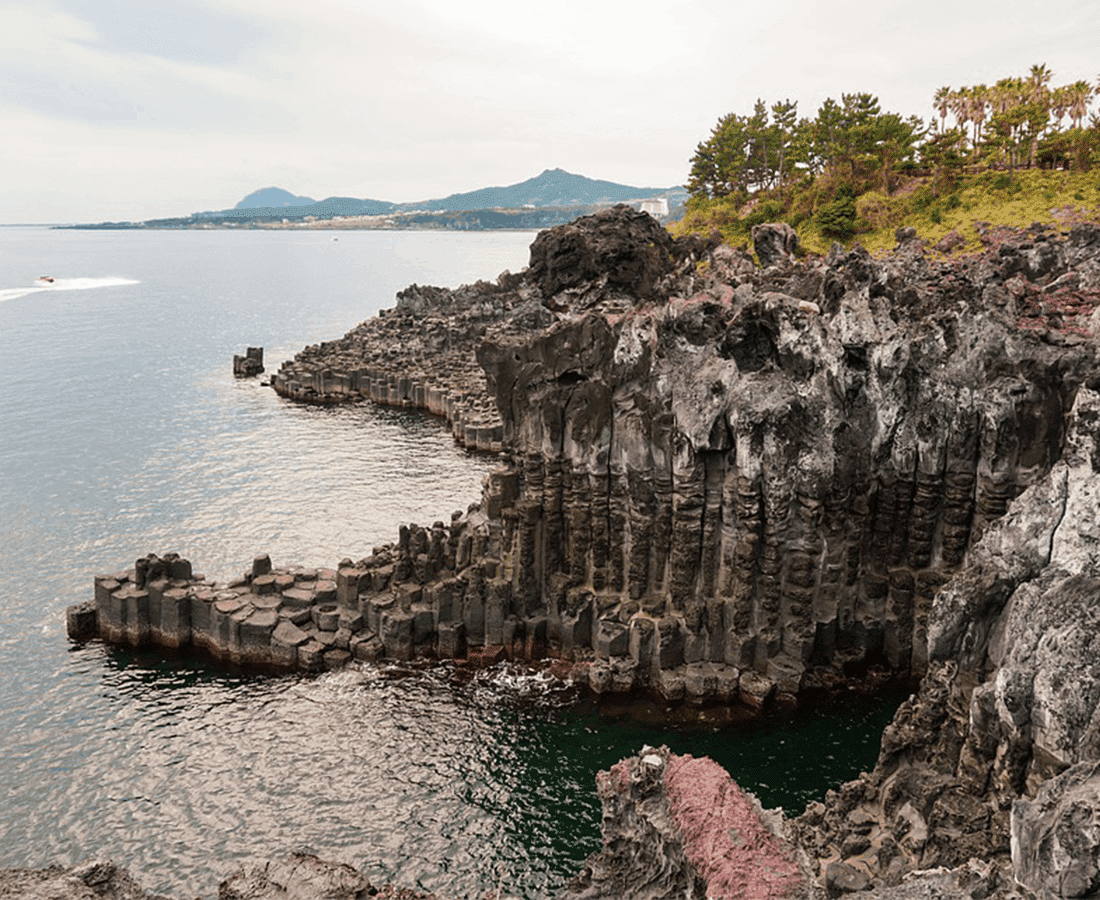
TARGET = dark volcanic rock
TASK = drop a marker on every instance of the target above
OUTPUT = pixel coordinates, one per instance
(774, 243)
(249, 365)
(1009, 702)
(621, 249)
(93, 880)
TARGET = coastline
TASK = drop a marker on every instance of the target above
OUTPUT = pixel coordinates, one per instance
(571, 553)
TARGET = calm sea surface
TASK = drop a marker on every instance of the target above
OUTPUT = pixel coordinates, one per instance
(123, 432)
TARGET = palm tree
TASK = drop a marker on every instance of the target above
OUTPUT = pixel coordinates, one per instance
(960, 107)
(941, 102)
(1080, 92)
(1059, 103)
(1037, 82)
(1007, 99)
(1038, 101)
(979, 100)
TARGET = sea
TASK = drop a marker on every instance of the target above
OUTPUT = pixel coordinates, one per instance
(123, 432)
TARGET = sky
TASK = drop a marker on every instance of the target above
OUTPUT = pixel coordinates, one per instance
(135, 109)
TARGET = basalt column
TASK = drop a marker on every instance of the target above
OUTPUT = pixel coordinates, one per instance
(762, 482)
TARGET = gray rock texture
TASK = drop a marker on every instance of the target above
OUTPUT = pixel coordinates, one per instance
(995, 756)
(1056, 835)
(774, 244)
(249, 365)
(300, 876)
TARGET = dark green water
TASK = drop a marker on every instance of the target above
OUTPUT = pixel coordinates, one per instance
(413, 776)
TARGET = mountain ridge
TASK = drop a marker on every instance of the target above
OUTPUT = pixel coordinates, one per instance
(552, 197)
(561, 187)
(551, 188)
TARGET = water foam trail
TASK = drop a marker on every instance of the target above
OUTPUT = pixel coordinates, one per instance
(64, 284)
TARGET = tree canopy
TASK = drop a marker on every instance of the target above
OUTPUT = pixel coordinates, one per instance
(1018, 122)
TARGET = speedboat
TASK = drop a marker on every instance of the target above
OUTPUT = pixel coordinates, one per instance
(43, 280)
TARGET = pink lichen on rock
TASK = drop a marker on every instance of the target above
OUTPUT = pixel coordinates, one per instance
(617, 778)
(724, 837)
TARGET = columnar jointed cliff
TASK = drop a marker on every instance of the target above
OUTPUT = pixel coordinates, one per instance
(420, 354)
(719, 479)
(997, 755)
(770, 471)
(723, 480)
(773, 470)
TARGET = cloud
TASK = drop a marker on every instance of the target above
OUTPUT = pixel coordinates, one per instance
(57, 65)
(190, 104)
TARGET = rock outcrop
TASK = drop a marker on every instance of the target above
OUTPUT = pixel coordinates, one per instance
(91, 880)
(995, 757)
(727, 483)
(249, 365)
(675, 826)
(299, 876)
(719, 481)
(303, 876)
(774, 244)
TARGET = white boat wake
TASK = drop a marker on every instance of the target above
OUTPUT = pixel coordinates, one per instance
(63, 284)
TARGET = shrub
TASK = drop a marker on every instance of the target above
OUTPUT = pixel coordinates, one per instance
(877, 210)
(838, 218)
(921, 199)
(764, 211)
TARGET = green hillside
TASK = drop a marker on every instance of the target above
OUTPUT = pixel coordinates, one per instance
(949, 221)
(854, 172)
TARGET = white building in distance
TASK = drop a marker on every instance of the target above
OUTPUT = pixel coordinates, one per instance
(656, 207)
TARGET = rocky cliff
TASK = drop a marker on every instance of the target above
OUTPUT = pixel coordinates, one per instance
(728, 481)
(771, 470)
(996, 756)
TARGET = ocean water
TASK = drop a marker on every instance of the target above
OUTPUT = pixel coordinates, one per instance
(123, 432)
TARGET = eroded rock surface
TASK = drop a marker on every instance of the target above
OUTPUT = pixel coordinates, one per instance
(994, 757)
(299, 876)
(93, 880)
(679, 827)
(303, 876)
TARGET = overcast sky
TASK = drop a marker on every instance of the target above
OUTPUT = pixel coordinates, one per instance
(131, 109)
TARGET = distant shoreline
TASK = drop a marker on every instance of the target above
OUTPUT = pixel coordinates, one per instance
(494, 219)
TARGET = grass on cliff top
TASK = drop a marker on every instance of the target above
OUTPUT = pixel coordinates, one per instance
(1055, 198)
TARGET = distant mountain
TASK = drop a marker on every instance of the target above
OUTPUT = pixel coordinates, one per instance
(272, 197)
(321, 209)
(554, 187)
(552, 198)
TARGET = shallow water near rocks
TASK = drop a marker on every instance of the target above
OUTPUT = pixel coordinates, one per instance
(123, 433)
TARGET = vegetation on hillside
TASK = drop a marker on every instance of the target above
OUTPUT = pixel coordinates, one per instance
(1017, 152)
